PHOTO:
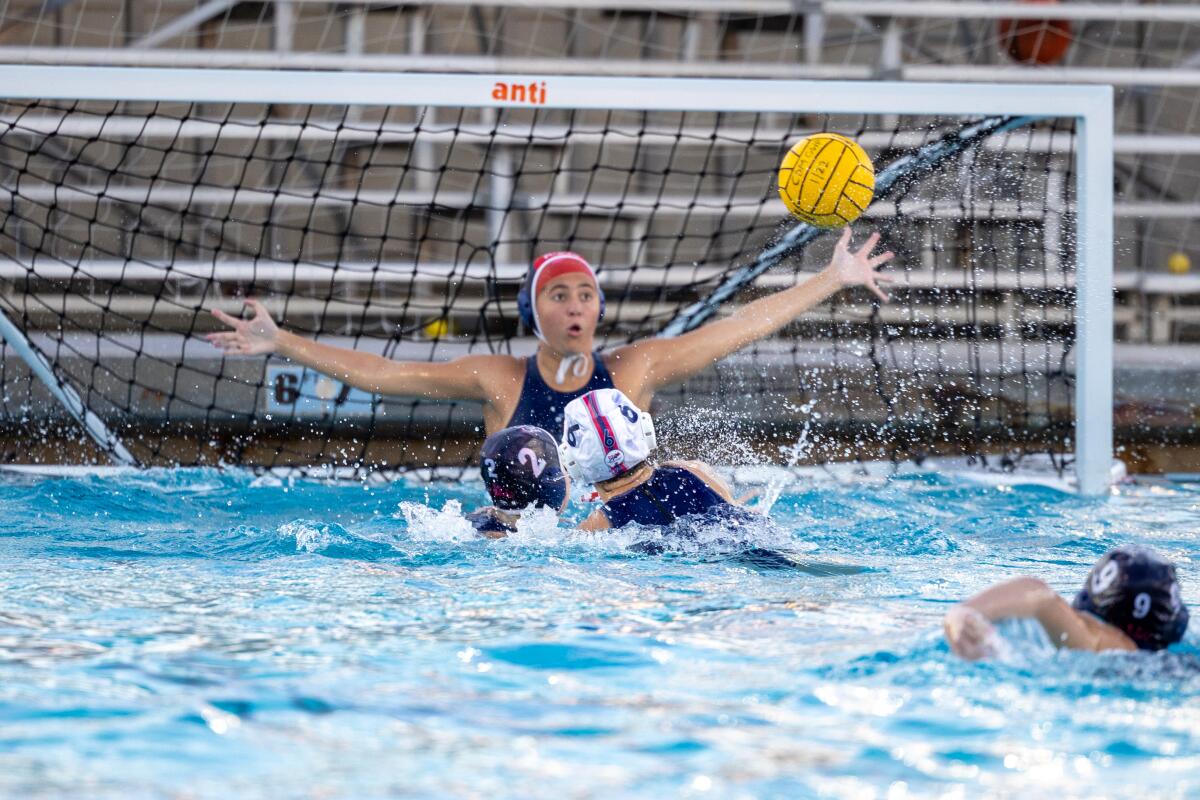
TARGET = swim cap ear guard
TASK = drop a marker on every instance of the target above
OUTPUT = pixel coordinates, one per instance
(604, 435)
(560, 262)
(1135, 590)
(569, 464)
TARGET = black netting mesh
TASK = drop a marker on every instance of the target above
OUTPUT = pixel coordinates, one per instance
(406, 231)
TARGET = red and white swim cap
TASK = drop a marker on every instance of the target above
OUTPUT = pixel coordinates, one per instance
(604, 435)
(546, 268)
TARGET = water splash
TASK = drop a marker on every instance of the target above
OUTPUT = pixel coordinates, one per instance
(447, 524)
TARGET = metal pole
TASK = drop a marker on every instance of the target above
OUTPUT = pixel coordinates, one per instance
(285, 26)
(65, 394)
(182, 24)
(500, 192)
(1094, 301)
(354, 42)
(528, 66)
(1168, 12)
(814, 37)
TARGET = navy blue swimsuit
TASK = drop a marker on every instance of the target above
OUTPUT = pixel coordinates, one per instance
(671, 493)
(485, 522)
(542, 406)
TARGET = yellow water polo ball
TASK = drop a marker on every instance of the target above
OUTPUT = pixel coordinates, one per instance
(826, 180)
(1179, 263)
(437, 329)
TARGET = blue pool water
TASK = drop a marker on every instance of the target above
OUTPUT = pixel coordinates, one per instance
(191, 633)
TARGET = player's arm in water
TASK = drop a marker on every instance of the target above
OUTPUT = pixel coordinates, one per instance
(648, 365)
(971, 635)
(467, 378)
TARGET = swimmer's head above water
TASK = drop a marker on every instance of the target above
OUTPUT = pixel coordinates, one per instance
(520, 468)
(551, 270)
(607, 442)
(1134, 589)
(605, 436)
(561, 302)
(1130, 601)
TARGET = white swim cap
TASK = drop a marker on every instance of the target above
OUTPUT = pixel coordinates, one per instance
(604, 435)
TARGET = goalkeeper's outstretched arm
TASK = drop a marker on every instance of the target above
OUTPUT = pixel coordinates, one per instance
(667, 361)
(459, 379)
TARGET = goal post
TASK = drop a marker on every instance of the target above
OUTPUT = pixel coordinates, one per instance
(149, 127)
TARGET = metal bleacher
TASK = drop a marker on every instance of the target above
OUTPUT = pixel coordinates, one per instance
(1149, 51)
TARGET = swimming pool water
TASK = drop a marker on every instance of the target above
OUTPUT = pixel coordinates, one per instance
(194, 633)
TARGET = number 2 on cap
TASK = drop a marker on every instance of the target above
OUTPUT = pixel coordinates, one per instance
(527, 456)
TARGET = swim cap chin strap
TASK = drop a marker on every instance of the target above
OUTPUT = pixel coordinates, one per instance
(575, 363)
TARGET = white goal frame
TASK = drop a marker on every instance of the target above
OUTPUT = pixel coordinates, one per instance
(1090, 106)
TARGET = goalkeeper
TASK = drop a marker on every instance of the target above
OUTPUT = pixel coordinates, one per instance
(561, 302)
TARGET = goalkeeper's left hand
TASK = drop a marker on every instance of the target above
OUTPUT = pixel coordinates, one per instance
(860, 268)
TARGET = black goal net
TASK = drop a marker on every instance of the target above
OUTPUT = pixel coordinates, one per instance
(406, 231)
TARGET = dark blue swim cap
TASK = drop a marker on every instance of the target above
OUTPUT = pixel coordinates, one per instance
(520, 467)
(1134, 589)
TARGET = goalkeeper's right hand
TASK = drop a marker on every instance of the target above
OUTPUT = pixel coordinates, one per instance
(254, 336)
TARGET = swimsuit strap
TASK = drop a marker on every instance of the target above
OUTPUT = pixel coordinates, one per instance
(668, 515)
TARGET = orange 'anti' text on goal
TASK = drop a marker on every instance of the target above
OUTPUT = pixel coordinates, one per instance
(534, 93)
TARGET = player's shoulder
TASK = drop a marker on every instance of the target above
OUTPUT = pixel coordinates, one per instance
(704, 472)
(494, 373)
(1104, 636)
(493, 362)
(688, 463)
(697, 468)
(636, 350)
(630, 363)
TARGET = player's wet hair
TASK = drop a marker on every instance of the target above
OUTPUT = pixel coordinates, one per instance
(1135, 589)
